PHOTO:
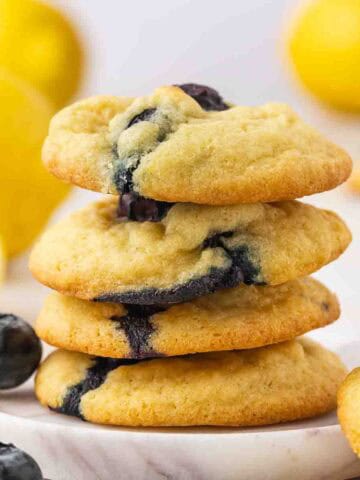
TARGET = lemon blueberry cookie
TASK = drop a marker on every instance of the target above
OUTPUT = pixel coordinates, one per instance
(186, 144)
(192, 251)
(231, 319)
(278, 383)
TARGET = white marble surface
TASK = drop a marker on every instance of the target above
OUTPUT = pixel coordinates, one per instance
(69, 449)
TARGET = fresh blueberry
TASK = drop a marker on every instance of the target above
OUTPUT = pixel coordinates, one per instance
(17, 465)
(20, 351)
(208, 98)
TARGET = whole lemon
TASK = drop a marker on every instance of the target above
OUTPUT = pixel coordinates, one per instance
(28, 194)
(39, 44)
(324, 46)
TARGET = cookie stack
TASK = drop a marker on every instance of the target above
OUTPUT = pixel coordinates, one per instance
(180, 297)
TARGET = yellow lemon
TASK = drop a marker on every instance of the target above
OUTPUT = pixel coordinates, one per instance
(39, 44)
(2, 262)
(28, 194)
(324, 46)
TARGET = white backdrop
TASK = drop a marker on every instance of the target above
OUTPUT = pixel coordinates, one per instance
(136, 45)
(235, 46)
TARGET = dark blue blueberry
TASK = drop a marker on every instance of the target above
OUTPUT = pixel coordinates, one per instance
(140, 209)
(17, 465)
(95, 377)
(208, 98)
(123, 173)
(138, 328)
(325, 306)
(20, 351)
(242, 269)
(144, 116)
(216, 240)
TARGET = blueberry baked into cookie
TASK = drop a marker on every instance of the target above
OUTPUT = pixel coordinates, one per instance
(179, 298)
(231, 319)
(192, 251)
(186, 144)
(238, 388)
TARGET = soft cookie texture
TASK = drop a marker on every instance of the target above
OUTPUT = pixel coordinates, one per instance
(184, 144)
(349, 409)
(232, 319)
(193, 251)
(278, 383)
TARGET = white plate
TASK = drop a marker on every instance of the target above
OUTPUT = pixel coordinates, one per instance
(69, 449)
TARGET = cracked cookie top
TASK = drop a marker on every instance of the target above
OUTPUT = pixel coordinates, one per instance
(185, 144)
(194, 250)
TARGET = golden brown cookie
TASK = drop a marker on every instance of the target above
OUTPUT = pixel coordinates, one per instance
(192, 251)
(185, 144)
(278, 383)
(231, 319)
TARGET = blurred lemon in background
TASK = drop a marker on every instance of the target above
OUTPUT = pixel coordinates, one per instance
(28, 194)
(39, 44)
(2, 262)
(324, 46)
